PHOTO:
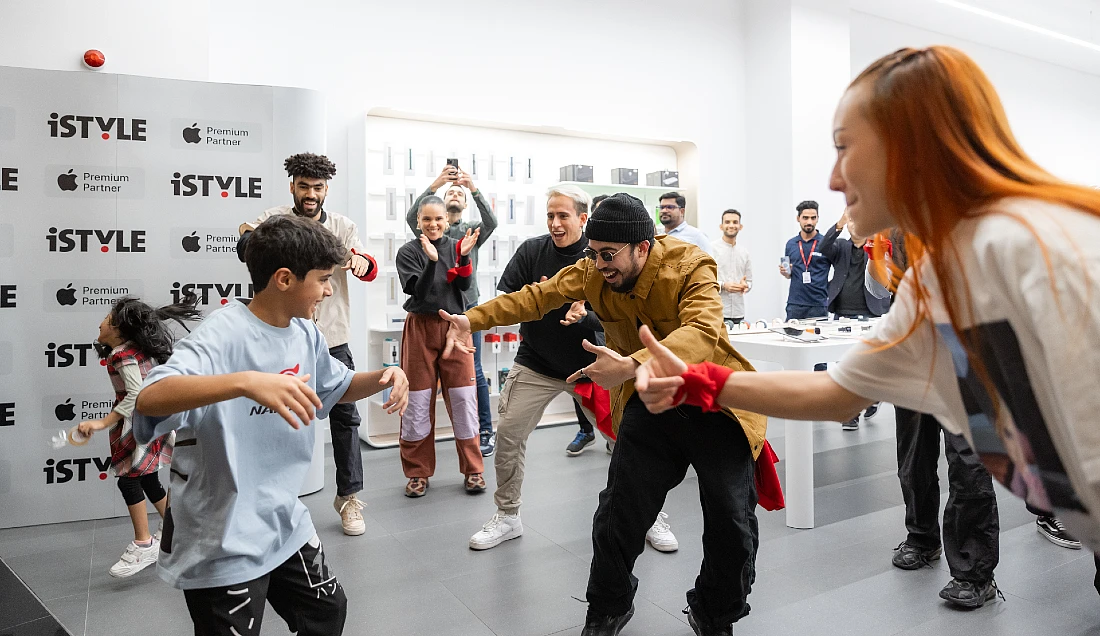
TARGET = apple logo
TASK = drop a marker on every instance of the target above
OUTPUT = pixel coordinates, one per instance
(190, 243)
(191, 135)
(66, 296)
(67, 181)
(65, 412)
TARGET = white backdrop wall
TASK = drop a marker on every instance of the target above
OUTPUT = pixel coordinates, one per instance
(115, 185)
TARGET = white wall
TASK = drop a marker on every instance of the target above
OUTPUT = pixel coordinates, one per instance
(1054, 111)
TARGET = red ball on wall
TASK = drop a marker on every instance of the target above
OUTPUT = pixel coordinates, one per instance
(94, 59)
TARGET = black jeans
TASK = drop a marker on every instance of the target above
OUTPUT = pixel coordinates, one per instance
(651, 457)
(971, 529)
(303, 590)
(343, 422)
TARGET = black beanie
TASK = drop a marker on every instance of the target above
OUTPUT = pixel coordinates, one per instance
(620, 218)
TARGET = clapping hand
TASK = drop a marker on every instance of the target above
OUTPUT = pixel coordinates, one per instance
(468, 242)
(428, 248)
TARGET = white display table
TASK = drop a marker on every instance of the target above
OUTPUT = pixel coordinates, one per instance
(799, 458)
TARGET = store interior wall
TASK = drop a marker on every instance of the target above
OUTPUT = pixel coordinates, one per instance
(732, 76)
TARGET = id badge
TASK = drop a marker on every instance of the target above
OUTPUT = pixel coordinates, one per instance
(805, 278)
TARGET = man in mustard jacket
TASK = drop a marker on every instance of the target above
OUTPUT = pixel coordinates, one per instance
(632, 279)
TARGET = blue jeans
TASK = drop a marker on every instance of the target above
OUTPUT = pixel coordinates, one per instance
(799, 312)
(484, 405)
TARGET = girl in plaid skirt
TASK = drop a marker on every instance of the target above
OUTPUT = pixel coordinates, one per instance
(134, 338)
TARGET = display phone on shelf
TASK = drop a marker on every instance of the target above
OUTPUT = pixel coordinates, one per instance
(798, 334)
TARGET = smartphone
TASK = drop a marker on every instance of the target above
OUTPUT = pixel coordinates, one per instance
(452, 162)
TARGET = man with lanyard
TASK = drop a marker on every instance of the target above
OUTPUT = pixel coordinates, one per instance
(632, 278)
(309, 176)
(806, 267)
(455, 201)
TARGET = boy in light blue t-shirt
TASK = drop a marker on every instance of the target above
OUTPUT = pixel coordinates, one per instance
(236, 535)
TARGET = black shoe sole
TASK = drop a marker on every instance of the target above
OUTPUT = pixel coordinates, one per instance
(974, 603)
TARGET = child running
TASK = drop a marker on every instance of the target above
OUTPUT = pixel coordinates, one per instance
(133, 338)
(237, 536)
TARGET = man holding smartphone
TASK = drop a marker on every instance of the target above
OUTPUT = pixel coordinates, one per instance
(457, 183)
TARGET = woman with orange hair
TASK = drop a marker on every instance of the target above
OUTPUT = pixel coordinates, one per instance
(995, 330)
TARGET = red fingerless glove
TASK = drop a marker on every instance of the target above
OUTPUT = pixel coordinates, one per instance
(702, 384)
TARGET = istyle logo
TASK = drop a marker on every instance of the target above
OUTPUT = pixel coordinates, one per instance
(83, 240)
(7, 413)
(9, 179)
(67, 355)
(233, 136)
(87, 126)
(65, 470)
(70, 181)
(62, 409)
(67, 295)
(191, 185)
(204, 242)
(222, 292)
(7, 296)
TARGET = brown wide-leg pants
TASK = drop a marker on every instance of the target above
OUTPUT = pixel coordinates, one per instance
(422, 343)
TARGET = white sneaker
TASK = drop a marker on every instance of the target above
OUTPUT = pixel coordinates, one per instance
(498, 530)
(135, 559)
(660, 535)
(350, 517)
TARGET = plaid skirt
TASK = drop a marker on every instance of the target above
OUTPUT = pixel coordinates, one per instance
(130, 459)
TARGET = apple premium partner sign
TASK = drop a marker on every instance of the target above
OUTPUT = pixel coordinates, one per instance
(116, 186)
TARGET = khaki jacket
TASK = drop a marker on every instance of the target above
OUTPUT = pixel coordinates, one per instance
(676, 296)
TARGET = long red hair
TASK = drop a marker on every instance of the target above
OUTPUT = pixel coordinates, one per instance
(950, 153)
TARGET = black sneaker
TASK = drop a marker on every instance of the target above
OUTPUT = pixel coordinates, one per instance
(488, 443)
(910, 557)
(1056, 533)
(851, 425)
(601, 625)
(580, 442)
(871, 411)
(703, 627)
(969, 594)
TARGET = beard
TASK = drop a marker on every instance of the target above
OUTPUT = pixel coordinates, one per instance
(455, 208)
(299, 208)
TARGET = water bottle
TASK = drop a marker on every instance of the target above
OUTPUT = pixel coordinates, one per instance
(72, 436)
(391, 357)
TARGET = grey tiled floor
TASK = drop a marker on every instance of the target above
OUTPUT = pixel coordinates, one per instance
(412, 573)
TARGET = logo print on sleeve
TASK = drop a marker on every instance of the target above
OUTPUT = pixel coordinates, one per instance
(88, 126)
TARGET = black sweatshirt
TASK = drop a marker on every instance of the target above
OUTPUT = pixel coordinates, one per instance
(425, 280)
(548, 347)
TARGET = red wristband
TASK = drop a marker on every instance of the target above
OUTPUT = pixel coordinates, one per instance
(459, 270)
(703, 383)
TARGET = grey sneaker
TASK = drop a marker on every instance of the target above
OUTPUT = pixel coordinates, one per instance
(969, 594)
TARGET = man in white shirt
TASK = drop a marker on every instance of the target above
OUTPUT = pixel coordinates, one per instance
(734, 268)
(672, 217)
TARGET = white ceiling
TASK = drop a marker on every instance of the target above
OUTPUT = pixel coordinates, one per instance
(1078, 19)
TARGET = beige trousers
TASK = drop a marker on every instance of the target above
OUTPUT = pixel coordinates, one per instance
(522, 401)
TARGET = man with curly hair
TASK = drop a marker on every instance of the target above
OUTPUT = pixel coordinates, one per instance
(309, 176)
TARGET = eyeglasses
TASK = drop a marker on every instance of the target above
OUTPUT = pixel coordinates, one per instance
(606, 255)
(670, 207)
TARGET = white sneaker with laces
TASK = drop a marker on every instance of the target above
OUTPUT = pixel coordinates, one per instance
(660, 535)
(350, 517)
(135, 559)
(498, 530)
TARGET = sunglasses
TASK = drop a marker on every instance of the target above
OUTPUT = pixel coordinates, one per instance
(607, 255)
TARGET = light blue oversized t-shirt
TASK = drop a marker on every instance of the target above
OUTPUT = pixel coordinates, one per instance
(238, 467)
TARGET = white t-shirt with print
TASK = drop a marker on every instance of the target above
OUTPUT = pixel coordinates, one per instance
(1034, 282)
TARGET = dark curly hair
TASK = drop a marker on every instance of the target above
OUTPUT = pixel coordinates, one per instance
(140, 324)
(307, 164)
